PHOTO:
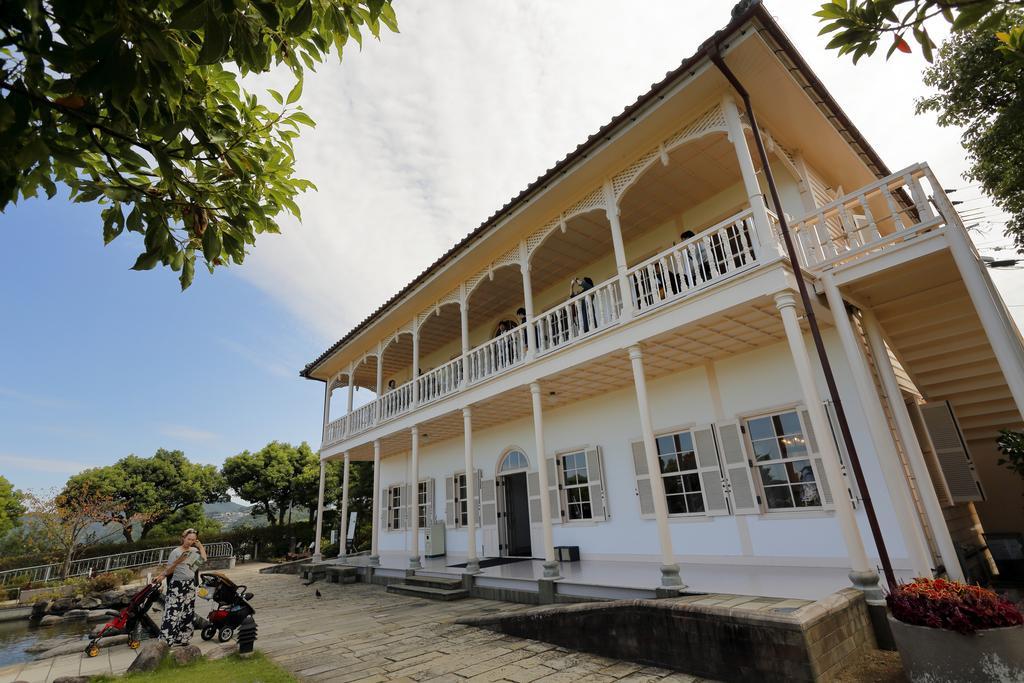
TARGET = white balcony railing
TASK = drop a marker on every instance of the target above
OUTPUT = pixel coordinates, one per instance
(580, 316)
(395, 402)
(440, 382)
(695, 264)
(872, 218)
(497, 355)
(362, 418)
(336, 430)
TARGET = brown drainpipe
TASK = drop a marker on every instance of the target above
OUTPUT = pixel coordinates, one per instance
(876, 532)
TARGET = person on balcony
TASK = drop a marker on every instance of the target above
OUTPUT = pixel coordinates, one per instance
(391, 385)
(696, 261)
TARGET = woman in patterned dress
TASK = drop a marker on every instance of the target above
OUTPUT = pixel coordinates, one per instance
(180, 606)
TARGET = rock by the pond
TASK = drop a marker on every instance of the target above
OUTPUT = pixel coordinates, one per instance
(49, 644)
(39, 609)
(90, 602)
(79, 646)
(61, 605)
(72, 679)
(109, 631)
(100, 614)
(221, 651)
(51, 619)
(186, 654)
(114, 598)
(76, 614)
(150, 655)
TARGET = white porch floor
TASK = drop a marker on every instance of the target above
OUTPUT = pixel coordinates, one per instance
(808, 583)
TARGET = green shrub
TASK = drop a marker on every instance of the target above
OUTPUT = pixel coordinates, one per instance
(104, 582)
(125, 575)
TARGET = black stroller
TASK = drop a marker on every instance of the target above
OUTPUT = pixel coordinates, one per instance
(232, 607)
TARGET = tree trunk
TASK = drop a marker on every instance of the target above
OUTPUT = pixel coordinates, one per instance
(126, 531)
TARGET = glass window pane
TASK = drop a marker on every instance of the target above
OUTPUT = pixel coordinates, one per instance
(691, 482)
(666, 444)
(673, 485)
(800, 471)
(685, 441)
(788, 423)
(668, 463)
(695, 502)
(773, 474)
(687, 461)
(585, 511)
(792, 446)
(778, 497)
(766, 450)
(581, 476)
(760, 428)
(806, 495)
(676, 505)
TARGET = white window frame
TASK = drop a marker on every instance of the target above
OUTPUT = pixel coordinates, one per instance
(584, 487)
(808, 455)
(423, 502)
(695, 472)
(395, 508)
(461, 495)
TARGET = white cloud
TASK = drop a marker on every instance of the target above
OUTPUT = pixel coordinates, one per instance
(35, 399)
(188, 433)
(41, 464)
(424, 135)
(266, 361)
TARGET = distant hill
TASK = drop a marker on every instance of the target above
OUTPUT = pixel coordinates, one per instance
(230, 506)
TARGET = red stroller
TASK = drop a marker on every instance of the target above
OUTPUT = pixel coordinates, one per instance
(131, 620)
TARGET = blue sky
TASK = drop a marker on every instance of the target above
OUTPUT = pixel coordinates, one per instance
(98, 361)
(419, 138)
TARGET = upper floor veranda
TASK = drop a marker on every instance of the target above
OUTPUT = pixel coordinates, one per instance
(666, 204)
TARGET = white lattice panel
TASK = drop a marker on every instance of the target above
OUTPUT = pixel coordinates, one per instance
(534, 240)
(451, 297)
(509, 258)
(624, 178)
(594, 200)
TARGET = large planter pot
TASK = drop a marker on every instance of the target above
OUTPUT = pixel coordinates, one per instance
(935, 655)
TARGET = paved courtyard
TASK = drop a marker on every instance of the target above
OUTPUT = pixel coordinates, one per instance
(358, 632)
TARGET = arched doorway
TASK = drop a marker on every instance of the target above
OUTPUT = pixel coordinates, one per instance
(513, 505)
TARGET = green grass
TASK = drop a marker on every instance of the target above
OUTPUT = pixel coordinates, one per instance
(233, 669)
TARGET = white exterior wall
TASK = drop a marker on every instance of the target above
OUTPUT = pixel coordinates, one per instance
(750, 383)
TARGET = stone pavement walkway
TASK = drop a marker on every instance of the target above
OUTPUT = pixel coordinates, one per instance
(361, 633)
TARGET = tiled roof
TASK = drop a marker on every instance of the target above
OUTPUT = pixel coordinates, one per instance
(741, 14)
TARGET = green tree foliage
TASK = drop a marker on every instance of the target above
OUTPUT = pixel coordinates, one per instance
(1011, 445)
(980, 91)
(277, 477)
(858, 26)
(139, 106)
(150, 490)
(11, 507)
(188, 517)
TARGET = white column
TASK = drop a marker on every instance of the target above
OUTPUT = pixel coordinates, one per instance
(524, 268)
(550, 563)
(912, 447)
(317, 556)
(464, 327)
(753, 189)
(351, 389)
(415, 363)
(881, 437)
(327, 409)
(472, 562)
(669, 569)
(1003, 344)
(611, 210)
(343, 533)
(380, 369)
(862, 574)
(414, 511)
(375, 513)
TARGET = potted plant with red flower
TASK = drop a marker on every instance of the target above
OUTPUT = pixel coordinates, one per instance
(951, 631)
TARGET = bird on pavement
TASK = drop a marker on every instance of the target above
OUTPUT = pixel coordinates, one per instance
(318, 595)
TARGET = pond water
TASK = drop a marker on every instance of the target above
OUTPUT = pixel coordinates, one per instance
(15, 636)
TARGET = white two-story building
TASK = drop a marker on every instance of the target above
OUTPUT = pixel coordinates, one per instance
(619, 361)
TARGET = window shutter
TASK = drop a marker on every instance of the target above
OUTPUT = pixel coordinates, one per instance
(711, 481)
(533, 492)
(479, 474)
(817, 463)
(643, 480)
(852, 485)
(488, 505)
(555, 490)
(449, 502)
(595, 479)
(951, 450)
(385, 509)
(738, 469)
(430, 501)
(403, 506)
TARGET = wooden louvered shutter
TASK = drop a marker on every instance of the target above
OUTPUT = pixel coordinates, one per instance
(430, 502)
(449, 502)
(385, 509)
(555, 489)
(738, 469)
(643, 480)
(533, 492)
(852, 485)
(403, 506)
(488, 503)
(951, 451)
(595, 480)
(817, 463)
(710, 471)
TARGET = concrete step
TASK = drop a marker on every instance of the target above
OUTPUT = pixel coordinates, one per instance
(441, 582)
(341, 574)
(427, 592)
(312, 572)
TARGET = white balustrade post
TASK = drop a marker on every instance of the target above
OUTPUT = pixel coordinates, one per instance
(862, 574)
(669, 569)
(472, 562)
(611, 210)
(414, 510)
(878, 429)
(912, 446)
(343, 524)
(375, 512)
(317, 556)
(759, 208)
(551, 569)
